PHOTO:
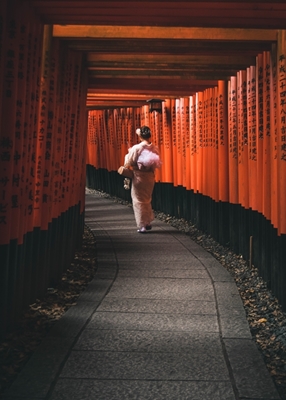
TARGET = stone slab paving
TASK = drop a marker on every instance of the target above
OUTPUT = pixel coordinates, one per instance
(162, 319)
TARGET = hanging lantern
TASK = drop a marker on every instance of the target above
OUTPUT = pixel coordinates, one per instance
(155, 105)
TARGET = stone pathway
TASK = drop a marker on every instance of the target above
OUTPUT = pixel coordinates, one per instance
(162, 319)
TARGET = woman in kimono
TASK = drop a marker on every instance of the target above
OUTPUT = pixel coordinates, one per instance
(143, 158)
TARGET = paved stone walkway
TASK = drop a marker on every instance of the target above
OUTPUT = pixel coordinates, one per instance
(161, 320)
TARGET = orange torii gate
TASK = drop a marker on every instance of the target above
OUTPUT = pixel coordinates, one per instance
(223, 153)
(42, 158)
(227, 145)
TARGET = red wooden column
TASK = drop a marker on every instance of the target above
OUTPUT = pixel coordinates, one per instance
(266, 151)
(188, 143)
(214, 145)
(184, 117)
(101, 139)
(157, 138)
(193, 145)
(111, 159)
(137, 119)
(281, 133)
(44, 133)
(58, 126)
(233, 142)
(206, 179)
(199, 140)
(21, 153)
(145, 116)
(102, 136)
(3, 41)
(223, 181)
(166, 152)
(212, 168)
(174, 141)
(77, 137)
(260, 134)
(273, 138)
(151, 118)
(66, 162)
(92, 144)
(51, 161)
(252, 135)
(211, 171)
(8, 122)
(131, 128)
(159, 128)
(22, 40)
(178, 148)
(243, 189)
(111, 154)
(91, 153)
(127, 132)
(81, 129)
(117, 142)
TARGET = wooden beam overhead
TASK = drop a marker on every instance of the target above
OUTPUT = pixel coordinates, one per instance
(102, 101)
(150, 87)
(94, 59)
(104, 104)
(155, 32)
(209, 14)
(164, 48)
(166, 64)
(171, 47)
(160, 74)
(93, 93)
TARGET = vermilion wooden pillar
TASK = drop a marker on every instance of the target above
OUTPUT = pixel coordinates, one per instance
(159, 142)
(174, 141)
(252, 135)
(266, 150)
(259, 131)
(155, 121)
(193, 145)
(182, 135)
(93, 140)
(233, 141)
(3, 41)
(273, 139)
(178, 144)
(43, 155)
(223, 142)
(132, 125)
(199, 140)
(215, 144)
(243, 189)
(117, 137)
(114, 155)
(8, 121)
(187, 149)
(281, 132)
(205, 142)
(82, 129)
(166, 151)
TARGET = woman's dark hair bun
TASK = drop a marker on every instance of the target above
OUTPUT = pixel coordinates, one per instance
(145, 132)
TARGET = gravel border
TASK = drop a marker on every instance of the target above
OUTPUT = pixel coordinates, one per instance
(17, 346)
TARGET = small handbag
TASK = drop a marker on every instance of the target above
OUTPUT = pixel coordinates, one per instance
(126, 183)
(128, 173)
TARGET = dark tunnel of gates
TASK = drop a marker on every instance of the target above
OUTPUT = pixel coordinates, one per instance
(223, 152)
(224, 161)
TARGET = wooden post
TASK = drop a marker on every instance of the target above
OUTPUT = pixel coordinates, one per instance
(281, 132)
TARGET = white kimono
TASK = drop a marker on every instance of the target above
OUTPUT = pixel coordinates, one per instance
(144, 158)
